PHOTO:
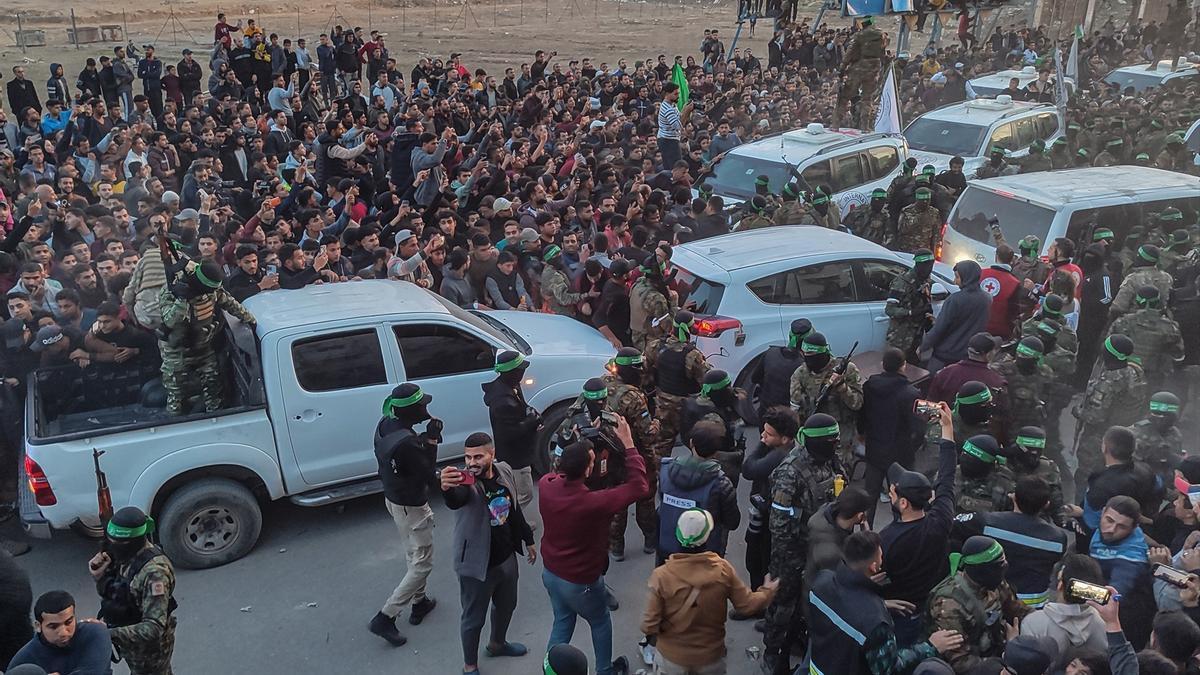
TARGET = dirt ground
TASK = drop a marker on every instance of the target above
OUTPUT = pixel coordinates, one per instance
(491, 34)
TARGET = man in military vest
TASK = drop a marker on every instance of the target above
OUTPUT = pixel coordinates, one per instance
(1052, 310)
(996, 166)
(650, 304)
(861, 69)
(755, 215)
(1036, 160)
(871, 221)
(1058, 391)
(773, 373)
(1028, 378)
(676, 368)
(136, 583)
(1142, 272)
(719, 401)
(1159, 442)
(792, 210)
(843, 393)
(1158, 337)
(982, 482)
(626, 398)
(1026, 458)
(973, 408)
(976, 601)
(1106, 402)
(910, 306)
(823, 212)
(1060, 156)
(556, 286)
(920, 225)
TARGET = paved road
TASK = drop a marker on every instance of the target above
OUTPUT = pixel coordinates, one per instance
(346, 559)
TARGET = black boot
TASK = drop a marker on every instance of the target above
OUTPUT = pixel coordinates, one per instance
(420, 609)
(385, 627)
(649, 543)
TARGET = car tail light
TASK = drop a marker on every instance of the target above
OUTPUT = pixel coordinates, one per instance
(39, 485)
(713, 326)
(937, 254)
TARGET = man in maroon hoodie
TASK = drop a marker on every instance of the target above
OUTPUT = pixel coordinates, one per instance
(575, 542)
(946, 383)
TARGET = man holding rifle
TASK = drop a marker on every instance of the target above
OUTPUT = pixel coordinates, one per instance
(827, 385)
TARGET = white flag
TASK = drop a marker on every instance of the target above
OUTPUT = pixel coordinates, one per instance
(1073, 61)
(1060, 83)
(887, 117)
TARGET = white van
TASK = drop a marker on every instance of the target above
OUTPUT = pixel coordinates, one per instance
(1062, 204)
(1143, 77)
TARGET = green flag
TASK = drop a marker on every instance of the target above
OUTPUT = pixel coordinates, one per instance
(680, 79)
(1079, 31)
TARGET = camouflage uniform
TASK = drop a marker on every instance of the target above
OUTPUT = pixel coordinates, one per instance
(979, 615)
(1108, 400)
(831, 219)
(145, 645)
(908, 305)
(1158, 339)
(1059, 158)
(754, 221)
(1161, 452)
(919, 227)
(1105, 158)
(989, 171)
(862, 70)
(1057, 394)
(646, 305)
(1138, 277)
(1026, 404)
(1035, 161)
(983, 494)
(799, 486)
(790, 212)
(557, 293)
(962, 430)
(191, 327)
(667, 406)
(843, 401)
(1046, 469)
(1067, 339)
(629, 402)
(868, 224)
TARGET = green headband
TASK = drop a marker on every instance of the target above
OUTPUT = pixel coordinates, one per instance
(635, 360)
(790, 189)
(1146, 255)
(821, 199)
(707, 389)
(818, 432)
(505, 366)
(990, 554)
(1171, 215)
(598, 395)
(923, 257)
(690, 542)
(794, 339)
(1047, 328)
(1026, 350)
(981, 454)
(1108, 346)
(761, 181)
(1142, 157)
(682, 331)
(809, 348)
(1031, 442)
(211, 283)
(998, 150)
(924, 194)
(1156, 406)
(878, 193)
(121, 532)
(1143, 301)
(550, 253)
(1102, 234)
(392, 402)
(982, 397)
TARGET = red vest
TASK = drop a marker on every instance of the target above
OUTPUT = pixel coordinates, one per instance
(1003, 287)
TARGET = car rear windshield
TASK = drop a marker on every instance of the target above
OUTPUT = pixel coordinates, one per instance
(946, 138)
(1017, 218)
(697, 294)
(735, 174)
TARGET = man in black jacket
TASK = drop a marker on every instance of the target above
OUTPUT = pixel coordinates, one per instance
(964, 314)
(515, 426)
(892, 431)
(407, 470)
(21, 93)
(189, 77)
(779, 426)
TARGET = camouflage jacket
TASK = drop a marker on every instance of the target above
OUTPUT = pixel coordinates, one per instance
(790, 213)
(990, 493)
(1156, 337)
(958, 604)
(1161, 452)
(1059, 390)
(868, 224)
(1138, 277)
(908, 300)
(557, 293)
(843, 401)
(629, 402)
(754, 221)
(1112, 397)
(152, 588)
(799, 486)
(1033, 268)
(1067, 339)
(1035, 161)
(194, 323)
(647, 305)
(1046, 469)
(918, 228)
(832, 218)
(1026, 393)
(694, 363)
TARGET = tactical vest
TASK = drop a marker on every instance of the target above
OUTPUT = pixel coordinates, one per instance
(1032, 547)
(841, 617)
(387, 468)
(671, 374)
(872, 44)
(983, 629)
(118, 607)
(777, 376)
(674, 501)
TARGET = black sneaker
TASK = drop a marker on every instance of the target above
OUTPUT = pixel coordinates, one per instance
(618, 554)
(385, 627)
(420, 609)
(620, 666)
(649, 544)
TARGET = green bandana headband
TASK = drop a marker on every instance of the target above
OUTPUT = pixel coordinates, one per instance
(1030, 352)
(990, 554)
(707, 389)
(682, 331)
(550, 253)
(820, 199)
(1171, 215)
(1031, 442)
(997, 150)
(794, 339)
(924, 194)
(1108, 346)
(1142, 157)
(1146, 255)
(120, 532)
(1102, 233)
(761, 182)
(809, 348)
(635, 360)
(981, 454)
(818, 432)
(506, 366)
(1143, 301)
(790, 190)
(392, 402)
(548, 669)
(211, 283)
(1156, 406)
(922, 257)
(982, 397)
(878, 193)
(598, 395)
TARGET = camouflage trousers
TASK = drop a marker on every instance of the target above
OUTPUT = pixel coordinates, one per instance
(862, 77)
(644, 514)
(1086, 456)
(906, 336)
(155, 661)
(668, 409)
(180, 371)
(785, 623)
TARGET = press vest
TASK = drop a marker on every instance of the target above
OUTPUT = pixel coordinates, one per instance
(675, 500)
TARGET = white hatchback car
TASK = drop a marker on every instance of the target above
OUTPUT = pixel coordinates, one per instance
(970, 129)
(992, 84)
(746, 288)
(1142, 77)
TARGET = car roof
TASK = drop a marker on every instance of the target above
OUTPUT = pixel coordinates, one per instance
(1163, 68)
(798, 145)
(1025, 74)
(984, 111)
(1069, 186)
(740, 250)
(276, 310)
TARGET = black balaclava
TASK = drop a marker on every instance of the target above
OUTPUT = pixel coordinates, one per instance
(1092, 260)
(980, 454)
(974, 403)
(816, 352)
(1147, 256)
(595, 394)
(204, 277)
(718, 388)
(819, 436)
(1164, 411)
(1027, 447)
(1118, 349)
(878, 200)
(126, 533)
(982, 560)
(1029, 355)
(628, 365)
(923, 263)
(511, 367)
(820, 202)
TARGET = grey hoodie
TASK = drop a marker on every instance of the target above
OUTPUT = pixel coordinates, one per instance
(1072, 627)
(964, 314)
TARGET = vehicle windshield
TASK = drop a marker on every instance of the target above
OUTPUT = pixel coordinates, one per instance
(735, 174)
(1017, 218)
(946, 138)
(1140, 81)
(697, 294)
(488, 325)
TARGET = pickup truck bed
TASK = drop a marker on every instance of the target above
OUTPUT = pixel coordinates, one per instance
(98, 420)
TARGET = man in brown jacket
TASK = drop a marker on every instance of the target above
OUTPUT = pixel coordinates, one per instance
(688, 600)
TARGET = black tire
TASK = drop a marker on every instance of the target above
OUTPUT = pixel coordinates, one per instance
(208, 523)
(88, 530)
(551, 421)
(743, 381)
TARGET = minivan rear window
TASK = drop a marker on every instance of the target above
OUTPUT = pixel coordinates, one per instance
(1018, 218)
(697, 294)
(735, 174)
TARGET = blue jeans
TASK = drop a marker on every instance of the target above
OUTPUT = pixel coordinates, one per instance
(588, 601)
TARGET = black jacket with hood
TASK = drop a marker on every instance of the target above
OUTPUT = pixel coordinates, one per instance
(891, 430)
(514, 423)
(964, 314)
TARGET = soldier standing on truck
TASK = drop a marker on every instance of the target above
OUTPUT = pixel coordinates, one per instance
(136, 582)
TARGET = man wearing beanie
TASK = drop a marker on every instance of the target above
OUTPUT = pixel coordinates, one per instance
(980, 350)
(689, 596)
(564, 660)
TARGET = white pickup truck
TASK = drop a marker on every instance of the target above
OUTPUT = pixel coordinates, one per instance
(307, 389)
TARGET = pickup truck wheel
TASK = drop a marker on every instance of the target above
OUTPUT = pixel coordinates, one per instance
(210, 522)
(88, 528)
(542, 454)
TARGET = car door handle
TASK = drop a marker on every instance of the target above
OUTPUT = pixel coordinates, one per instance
(308, 415)
(881, 319)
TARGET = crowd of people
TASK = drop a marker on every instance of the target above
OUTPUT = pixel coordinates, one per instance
(134, 221)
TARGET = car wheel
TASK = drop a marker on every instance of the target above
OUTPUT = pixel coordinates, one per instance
(88, 528)
(743, 382)
(208, 523)
(551, 421)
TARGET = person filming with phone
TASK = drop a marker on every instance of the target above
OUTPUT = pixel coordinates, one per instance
(489, 531)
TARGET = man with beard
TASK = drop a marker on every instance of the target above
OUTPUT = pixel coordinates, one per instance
(910, 307)
(773, 372)
(64, 644)
(870, 223)
(977, 602)
(953, 178)
(1124, 554)
(136, 582)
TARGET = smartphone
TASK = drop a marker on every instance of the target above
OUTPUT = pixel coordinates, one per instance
(928, 409)
(1082, 590)
(468, 478)
(272, 270)
(1174, 577)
